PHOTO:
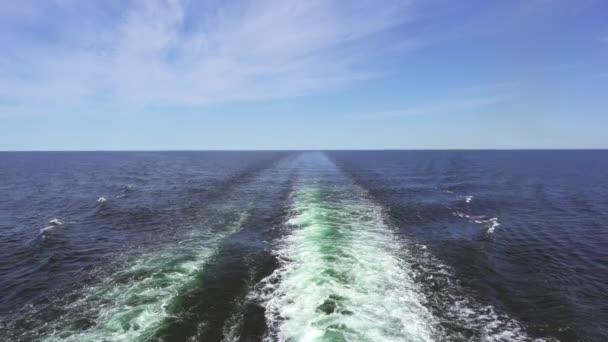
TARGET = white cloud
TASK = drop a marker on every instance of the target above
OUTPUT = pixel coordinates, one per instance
(166, 53)
(442, 107)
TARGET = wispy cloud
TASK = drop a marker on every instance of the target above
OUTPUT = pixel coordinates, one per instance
(441, 107)
(178, 53)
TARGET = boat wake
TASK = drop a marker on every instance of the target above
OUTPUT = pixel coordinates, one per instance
(341, 277)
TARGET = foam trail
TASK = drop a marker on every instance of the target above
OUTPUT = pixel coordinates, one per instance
(341, 276)
(131, 305)
(464, 317)
(140, 300)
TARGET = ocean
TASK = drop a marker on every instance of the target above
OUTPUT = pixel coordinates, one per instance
(304, 246)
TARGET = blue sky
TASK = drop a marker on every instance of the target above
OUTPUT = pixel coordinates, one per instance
(317, 74)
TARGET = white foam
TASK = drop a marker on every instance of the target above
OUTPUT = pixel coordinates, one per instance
(491, 223)
(341, 277)
(55, 222)
(468, 199)
(486, 323)
(461, 214)
(133, 303)
(101, 200)
(46, 229)
(491, 326)
(166, 273)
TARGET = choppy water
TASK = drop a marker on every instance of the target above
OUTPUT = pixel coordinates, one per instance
(304, 246)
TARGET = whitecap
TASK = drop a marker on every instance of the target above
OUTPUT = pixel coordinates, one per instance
(46, 229)
(461, 214)
(55, 222)
(489, 222)
(493, 224)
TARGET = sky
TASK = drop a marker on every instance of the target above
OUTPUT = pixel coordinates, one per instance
(316, 74)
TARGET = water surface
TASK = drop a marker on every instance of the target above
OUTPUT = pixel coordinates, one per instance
(304, 246)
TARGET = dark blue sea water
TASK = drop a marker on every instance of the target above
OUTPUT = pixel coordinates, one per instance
(304, 246)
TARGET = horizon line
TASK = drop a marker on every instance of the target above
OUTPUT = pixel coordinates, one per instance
(319, 150)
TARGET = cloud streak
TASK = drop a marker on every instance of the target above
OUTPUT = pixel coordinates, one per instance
(442, 107)
(178, 53)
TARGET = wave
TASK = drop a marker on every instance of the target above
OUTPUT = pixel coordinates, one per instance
(490, 223)
(53, 223)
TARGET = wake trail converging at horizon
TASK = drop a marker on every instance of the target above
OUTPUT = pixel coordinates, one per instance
(341, 277)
